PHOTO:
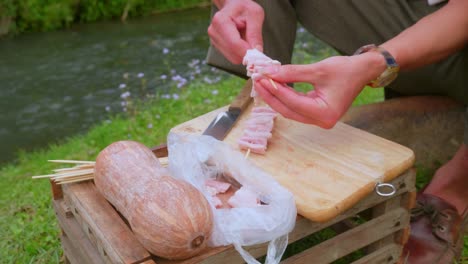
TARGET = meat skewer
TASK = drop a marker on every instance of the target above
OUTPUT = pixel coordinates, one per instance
(260, 123)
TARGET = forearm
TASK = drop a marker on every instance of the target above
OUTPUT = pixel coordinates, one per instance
(433, 38)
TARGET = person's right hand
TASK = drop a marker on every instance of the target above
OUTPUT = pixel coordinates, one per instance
(237, 27)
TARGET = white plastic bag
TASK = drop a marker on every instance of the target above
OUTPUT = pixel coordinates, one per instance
(197, 158)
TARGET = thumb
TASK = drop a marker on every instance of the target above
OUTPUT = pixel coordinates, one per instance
(292, 73)
(253, 33)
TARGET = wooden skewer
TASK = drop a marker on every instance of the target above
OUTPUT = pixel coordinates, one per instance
(66, 174)
(247, 154)
(72, 177)
(74, 173)
(81, 172)
(164, 161)
(43, 176)
(76, 180)
(65, 169)
(73, 161)
(83, 166)
(273, 83)
(76, 168)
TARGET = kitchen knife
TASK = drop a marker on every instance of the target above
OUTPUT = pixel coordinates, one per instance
(224, 121)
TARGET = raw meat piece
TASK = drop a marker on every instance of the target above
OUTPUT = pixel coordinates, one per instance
(244, 197)
(266, 127)
(260, 119)
(219, 186)
(212, 191)
(255, 148)
(255, 61)
(216, 201)
(254, 140)
(263, 114)
(263, 109)
(253, 133)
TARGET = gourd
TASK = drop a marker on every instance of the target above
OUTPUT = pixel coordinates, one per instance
(170, 217)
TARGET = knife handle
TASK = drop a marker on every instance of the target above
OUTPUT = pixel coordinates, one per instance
(243, 98)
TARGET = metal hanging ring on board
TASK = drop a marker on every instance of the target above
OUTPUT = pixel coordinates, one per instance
(380, 189)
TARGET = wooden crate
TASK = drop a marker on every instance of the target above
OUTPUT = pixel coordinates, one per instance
(94, 232)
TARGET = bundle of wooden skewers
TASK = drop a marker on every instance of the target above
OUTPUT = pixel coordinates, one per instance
(81, 171)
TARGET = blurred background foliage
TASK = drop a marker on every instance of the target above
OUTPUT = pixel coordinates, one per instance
(18, 16)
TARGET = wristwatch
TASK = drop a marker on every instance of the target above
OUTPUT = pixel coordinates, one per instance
(390, 73)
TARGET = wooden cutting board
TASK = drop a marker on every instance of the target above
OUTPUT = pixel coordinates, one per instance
(328, 171)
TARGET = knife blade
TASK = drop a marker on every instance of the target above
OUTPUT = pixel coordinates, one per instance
(224, 121)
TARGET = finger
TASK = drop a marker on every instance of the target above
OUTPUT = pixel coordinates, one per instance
(279, 107)
(293, 73)
(313, 107)
(283, 109)
(259, 47)
(253, 32)
(234, 58)
(227, 39)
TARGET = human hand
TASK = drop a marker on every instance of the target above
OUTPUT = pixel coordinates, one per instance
(336, 80)
(237, 27)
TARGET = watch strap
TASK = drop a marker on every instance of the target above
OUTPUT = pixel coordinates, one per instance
(390, 73)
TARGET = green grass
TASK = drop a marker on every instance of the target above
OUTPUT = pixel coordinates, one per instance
(28, 226)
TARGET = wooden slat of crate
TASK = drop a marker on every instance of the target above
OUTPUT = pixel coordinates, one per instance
(80, 250)
(354, 239)
(103, 226)
(84, 198)
(303, 227)
(388, 254)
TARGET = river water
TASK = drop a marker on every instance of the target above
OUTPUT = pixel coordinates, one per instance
(57, 84)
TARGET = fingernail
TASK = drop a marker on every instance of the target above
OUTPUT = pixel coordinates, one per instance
(272, 69)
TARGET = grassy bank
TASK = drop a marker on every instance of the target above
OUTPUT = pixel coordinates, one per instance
(27, 224)
(39, 16)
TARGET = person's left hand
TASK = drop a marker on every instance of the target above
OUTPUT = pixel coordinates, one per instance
(336, 80)
(237, 27)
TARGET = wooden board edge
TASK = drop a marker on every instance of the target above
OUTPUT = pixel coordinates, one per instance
(403, 183)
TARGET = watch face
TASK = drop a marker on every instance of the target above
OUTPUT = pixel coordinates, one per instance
(390, 61)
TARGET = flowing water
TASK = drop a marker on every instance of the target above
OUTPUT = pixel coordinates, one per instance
(57, 84)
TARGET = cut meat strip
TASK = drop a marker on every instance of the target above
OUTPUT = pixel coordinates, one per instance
(254, 140)
(244, 197)
(267, 127)
(263, 109)
(253, 133)
(263, 114)
(259, 120)
(218, 186)
(255, 148)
